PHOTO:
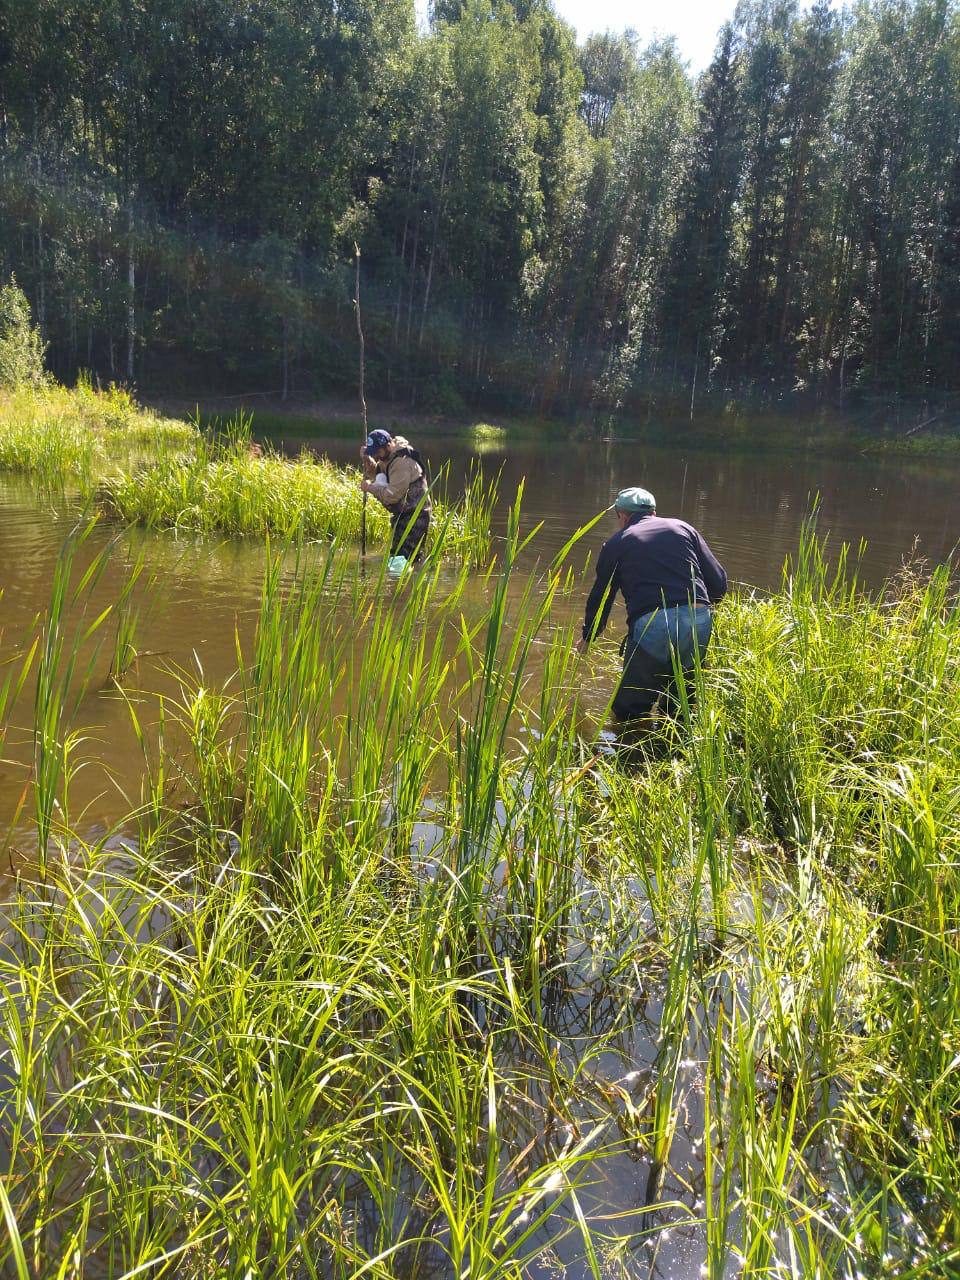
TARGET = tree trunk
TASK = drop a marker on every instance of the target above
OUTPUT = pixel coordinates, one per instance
(131, 292)
(42, 278)
(403, 248)
(433, 247)
(693, 385)
(413, 278)
(285, 357)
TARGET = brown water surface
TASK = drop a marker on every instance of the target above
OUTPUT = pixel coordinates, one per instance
(749, 506)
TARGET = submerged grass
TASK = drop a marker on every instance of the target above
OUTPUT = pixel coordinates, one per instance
(396, 974)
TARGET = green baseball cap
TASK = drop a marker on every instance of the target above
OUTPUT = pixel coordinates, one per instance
(635, 500)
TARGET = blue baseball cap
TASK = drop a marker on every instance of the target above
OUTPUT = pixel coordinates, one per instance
(377, 440)
(635, 501)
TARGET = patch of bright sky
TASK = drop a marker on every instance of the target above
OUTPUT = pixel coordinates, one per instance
(695, 23)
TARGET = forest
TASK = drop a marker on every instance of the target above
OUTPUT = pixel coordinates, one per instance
(544, 227)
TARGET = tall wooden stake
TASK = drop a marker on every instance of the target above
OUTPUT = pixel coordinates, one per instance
(363, 403)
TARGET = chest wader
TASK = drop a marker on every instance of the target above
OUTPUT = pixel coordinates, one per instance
(410, 519)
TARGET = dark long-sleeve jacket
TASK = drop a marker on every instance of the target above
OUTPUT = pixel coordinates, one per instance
(655, 561)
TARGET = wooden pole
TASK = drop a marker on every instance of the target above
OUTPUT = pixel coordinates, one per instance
(363, 403)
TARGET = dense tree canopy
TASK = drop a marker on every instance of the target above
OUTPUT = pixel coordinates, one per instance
(542, 226)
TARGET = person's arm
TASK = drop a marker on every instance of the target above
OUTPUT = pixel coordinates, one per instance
(714, 575)
(600, 599)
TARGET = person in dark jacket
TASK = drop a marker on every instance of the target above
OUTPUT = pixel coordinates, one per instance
(669, 578)
(396, 478)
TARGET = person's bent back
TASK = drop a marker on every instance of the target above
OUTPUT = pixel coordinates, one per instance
(669, 577)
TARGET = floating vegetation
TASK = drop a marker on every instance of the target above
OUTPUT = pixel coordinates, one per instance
(487, 438)
(393, 972)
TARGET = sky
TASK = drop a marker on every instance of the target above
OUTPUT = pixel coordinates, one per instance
(695, 23)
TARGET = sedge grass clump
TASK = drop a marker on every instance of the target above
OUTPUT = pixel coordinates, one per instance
(227, 484)
(165, 474)
(237, 490)
(74, 438)
(39, 436)
(824, 688)
(485, 437)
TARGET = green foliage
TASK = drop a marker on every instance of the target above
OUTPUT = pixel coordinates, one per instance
(609, 64)
(67, 437)
(21, 346)
(487, 433)
(167, 474)
(226, 486)
(543, 227)
(395, 971)
(229, 488)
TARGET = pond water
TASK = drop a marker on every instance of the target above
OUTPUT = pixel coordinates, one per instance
(198, 596)
(749, 506)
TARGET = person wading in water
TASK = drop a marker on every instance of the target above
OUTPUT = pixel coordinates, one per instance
(400, 483)
(669, 577)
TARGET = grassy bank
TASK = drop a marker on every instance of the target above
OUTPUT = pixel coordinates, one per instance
(398, 974)
(731, 427)
(75, 437)
(166, 474)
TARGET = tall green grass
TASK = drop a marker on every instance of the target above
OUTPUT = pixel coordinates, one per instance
(396, 973)
(228, 484)
(230, 489)
(73, 437)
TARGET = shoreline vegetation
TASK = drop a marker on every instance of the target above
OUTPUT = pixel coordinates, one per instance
(394, 970)
(140, 467)
(395, 967)
(737, 428)
(544, 224)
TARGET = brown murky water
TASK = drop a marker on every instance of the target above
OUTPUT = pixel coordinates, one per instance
(203, 593)
(748, 506)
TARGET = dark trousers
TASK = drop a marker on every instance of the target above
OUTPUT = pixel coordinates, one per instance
(650, 676)
(644, 680)
(409, 535)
